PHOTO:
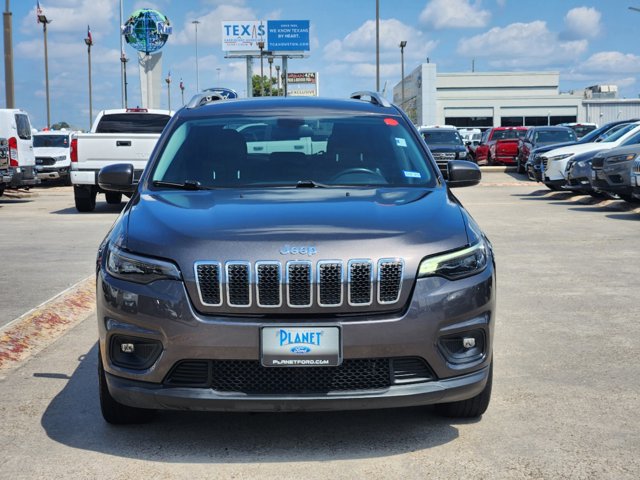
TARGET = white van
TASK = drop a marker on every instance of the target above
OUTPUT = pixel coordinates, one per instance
(15, 126)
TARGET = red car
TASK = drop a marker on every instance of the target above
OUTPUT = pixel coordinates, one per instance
(499, 145)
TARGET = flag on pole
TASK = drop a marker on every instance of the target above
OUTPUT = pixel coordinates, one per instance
(38, 11)
(181, 85)
(89, 35)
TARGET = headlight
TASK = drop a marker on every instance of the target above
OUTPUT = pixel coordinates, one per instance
(455, 265)
(134, 268)
(462, 154)
(582, 164)
(621, 158)
(560, 157)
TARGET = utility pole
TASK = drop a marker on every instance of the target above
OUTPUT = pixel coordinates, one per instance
(270, 60)
(8, 57)
(124, 60)
(278, 79)
(123, 66)
(261, 47)
(168, 80)
(377, 45)
(196, 23)
(42, 18)
(89, 43)
(403, 44)
(182, 91)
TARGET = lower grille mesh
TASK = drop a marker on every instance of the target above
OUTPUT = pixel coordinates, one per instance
(249, 376)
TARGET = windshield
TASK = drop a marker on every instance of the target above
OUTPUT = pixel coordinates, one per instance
(508, 134)
(58, 141)
(582, 130)
(442, 137)
(285, 151)
(555, 136)
(621, 132)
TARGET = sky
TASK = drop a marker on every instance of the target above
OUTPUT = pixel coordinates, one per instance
(587, 42)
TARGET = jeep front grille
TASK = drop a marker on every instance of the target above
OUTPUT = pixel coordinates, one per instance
(296, 281)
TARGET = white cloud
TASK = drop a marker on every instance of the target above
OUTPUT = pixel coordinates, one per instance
(582, 22)
(522, 45)
(210, 26)
(439, 14)
(359, 46)
(606, 62)
(71, 16)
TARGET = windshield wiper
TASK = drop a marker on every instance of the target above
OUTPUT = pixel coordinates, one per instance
(187, 185)
(310, 184)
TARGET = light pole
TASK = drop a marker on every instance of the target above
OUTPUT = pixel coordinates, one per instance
(278, 79)
(89, 42)
(218, 70)
(182, 91)
(270, 60)
(124, 60)
(8, 57)
(261, 47)
(196, 23)
(403, 43)
(377, 45)
(168, 80)
(42, 18)
(123, 75)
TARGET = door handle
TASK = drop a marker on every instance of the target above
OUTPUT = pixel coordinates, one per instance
(123, 143)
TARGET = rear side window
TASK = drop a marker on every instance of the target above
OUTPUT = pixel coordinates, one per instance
(23, 126)
(132, 123)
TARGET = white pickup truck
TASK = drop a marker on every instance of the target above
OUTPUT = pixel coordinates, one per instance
(117, 136)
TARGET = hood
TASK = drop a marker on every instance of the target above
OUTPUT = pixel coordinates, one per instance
(580, 148)
(434, 147)
(553, 146)
(255, 225)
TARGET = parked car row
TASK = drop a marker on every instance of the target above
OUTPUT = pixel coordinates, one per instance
(605, 162)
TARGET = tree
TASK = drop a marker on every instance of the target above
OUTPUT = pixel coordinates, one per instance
(60, 126)
(268, 84)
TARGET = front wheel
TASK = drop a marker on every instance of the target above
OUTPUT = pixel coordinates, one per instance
(472, 407)
(520, 166)
(85, 198)
(489, 160)
(628, 198)
(113, 411)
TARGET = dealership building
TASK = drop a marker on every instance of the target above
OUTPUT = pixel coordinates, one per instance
(488, 99)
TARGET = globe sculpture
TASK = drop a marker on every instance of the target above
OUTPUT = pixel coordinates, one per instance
(147, 30)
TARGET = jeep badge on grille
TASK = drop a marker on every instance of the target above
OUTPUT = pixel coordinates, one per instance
(298, 250)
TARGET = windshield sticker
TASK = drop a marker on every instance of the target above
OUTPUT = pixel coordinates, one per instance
(409, 174)
(401, 142)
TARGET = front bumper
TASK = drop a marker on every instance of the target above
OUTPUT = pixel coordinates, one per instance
(162, 312)
(52, 172)
(24, 177)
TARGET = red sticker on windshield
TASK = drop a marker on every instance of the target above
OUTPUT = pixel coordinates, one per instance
(391, 121)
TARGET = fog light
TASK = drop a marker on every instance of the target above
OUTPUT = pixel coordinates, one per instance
(133, 352)
(463, 347)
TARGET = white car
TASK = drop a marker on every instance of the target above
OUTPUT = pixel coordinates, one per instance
(554, 162)
(53, 155)
(15, 127)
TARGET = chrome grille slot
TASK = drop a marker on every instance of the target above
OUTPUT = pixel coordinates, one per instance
(389, 279)
(268, 284)
(329, 283)
(360, 282)
(238, 284)
(209, 286)
(299, 292)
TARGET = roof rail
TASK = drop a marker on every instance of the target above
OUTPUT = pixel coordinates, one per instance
(374, 97)
(211, 95)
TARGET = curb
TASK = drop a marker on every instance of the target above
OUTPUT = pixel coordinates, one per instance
(32, 332)
(497, 168)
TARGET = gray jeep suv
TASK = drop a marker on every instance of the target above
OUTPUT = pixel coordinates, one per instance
(284, 254)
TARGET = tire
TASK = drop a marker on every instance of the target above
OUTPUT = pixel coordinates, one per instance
(114, 412)
(489, 160)
(550, 186)
(85, 199)
(113, 198)
(67, 180)
(472, 407)
(1, 191)
(520, 166)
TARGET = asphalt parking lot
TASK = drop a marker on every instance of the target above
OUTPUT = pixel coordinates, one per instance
(565, 397)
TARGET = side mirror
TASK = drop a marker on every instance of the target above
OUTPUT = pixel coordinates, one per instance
(463, 174)
(117, 178)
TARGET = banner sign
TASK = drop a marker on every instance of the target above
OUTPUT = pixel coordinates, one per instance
(277, 35)
(306, 77)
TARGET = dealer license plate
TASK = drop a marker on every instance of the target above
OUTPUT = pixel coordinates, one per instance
(300, 347)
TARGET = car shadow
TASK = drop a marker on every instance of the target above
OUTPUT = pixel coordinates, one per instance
(629, 216)
(100, 208)
(73, 418)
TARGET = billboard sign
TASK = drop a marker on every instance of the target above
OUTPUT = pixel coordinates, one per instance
(277, 35)
(288, 35)
(303, 84)
(240, 36)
